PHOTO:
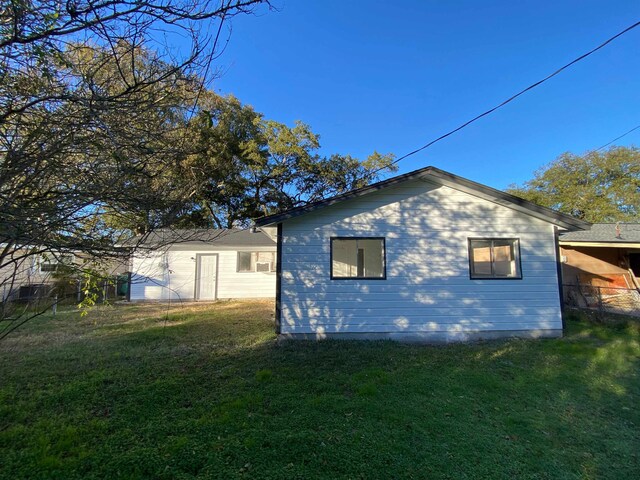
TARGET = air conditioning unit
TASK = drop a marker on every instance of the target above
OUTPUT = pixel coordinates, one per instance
(263, 266)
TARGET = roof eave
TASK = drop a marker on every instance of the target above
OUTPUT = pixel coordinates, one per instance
(510, 201)
(358, 192)
(588, 243)
(445, 178)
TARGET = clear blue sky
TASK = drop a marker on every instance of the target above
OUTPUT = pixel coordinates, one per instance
(392, 75)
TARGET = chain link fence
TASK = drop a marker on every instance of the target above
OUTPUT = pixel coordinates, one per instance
(605, 299)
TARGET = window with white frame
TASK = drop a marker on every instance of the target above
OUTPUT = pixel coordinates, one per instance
(256, 261)
(494, 258)
(49, 263)
(358, 258)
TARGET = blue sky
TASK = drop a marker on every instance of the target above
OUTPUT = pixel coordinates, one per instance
(391, 76)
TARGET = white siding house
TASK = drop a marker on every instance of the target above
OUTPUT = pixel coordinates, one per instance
(204, 265)
(425, 256)
(31, 272)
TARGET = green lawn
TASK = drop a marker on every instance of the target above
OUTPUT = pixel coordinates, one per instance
(206, 392)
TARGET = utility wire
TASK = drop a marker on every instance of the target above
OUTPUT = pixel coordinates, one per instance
(478, 117)
(616, 139)
(510, 99)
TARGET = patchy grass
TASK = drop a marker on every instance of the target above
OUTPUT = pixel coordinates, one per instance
(204, 391)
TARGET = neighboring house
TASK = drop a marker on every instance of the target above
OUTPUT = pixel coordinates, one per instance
(29, 273)
(602, 260)
(425, 256)
(203, 265)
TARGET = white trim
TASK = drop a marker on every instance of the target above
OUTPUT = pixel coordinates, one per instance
(600, 244)
(198, 277)
(54, 260)
(426, 337)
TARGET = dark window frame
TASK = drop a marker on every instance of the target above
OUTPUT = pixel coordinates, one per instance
(273, 264)
(384, 258)
(492, 239)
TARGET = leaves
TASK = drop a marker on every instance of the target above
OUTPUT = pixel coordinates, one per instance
(94, 104)
(248, 166)
(597, 186)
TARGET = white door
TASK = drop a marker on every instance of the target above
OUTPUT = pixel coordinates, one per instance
(206, 277)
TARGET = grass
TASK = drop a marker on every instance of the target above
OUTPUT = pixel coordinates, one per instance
(205, 391)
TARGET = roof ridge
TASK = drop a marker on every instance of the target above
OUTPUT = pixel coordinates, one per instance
(444, 178)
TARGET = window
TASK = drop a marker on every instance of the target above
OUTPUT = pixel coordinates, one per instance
(50, 264)
(494, 258)
(256, 261)
(357, 258)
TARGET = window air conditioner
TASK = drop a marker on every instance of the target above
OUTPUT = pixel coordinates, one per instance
(263, 266)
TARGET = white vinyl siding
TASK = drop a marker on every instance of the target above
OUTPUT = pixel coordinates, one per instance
(152, 281)
(427, 288)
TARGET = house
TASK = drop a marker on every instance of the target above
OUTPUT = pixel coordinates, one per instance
(425, 256)
(26, 274)
(602, 262)
(31, 272)
(203, 265)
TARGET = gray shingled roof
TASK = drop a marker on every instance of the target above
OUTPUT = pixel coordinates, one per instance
(219, 237)
(605, 233)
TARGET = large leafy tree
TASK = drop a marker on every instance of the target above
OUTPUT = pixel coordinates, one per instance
(597, 186)
(238, 166)
(248, 166)
(94, 97)
(107, 130)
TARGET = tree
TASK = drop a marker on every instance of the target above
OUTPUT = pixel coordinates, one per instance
(94, 100)
(249, 166)
(596, 186)
(107, 130)
(93, 103)
(240, 166)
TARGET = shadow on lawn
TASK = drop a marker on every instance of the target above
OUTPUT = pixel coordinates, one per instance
(505, 399)
(594, 359)
(596, 366)
(213, 394)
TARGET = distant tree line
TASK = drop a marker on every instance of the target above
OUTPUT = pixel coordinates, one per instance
(596, 187)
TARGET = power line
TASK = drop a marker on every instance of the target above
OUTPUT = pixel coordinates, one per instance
(618, 138)
(510, 99)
